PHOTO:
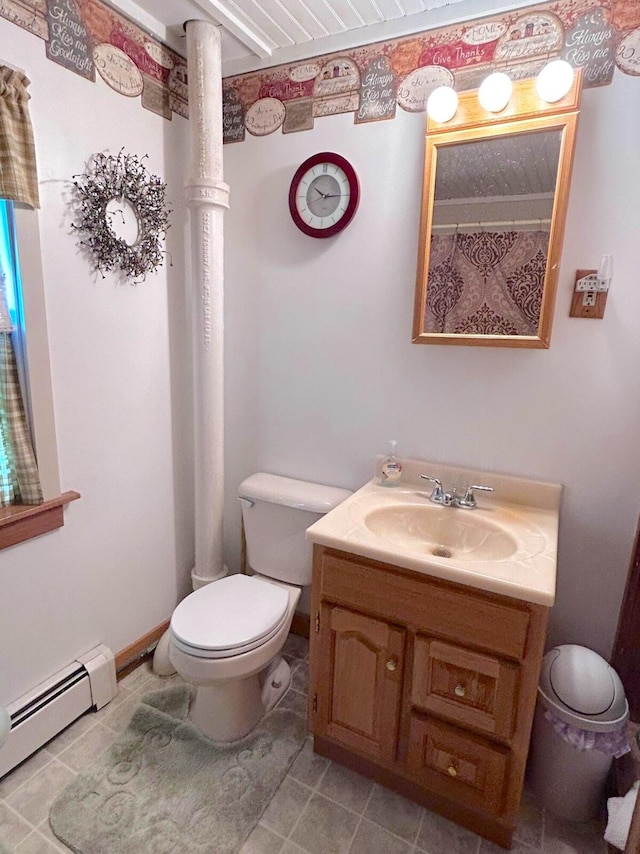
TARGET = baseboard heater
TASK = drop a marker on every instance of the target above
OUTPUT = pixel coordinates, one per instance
(89, 682)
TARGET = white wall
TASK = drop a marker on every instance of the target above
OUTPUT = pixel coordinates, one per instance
(321, 370)
(120, 384)
(319, 366)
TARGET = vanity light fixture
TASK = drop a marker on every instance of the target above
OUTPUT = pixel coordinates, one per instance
(495, 92)
(554, 81)
(442, 104)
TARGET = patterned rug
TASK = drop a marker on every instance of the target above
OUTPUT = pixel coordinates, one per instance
(163, 787)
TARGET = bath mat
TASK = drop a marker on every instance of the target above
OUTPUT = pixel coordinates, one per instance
(162, 787)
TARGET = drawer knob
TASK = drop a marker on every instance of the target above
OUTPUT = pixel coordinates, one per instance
(391, 664)
(459, 690)
(452, 771)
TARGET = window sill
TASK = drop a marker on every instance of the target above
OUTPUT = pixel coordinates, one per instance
(22, 522)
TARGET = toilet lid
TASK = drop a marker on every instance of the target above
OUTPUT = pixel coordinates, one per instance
(236, 611)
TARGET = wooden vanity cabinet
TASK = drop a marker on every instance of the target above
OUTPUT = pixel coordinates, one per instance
(425, 685)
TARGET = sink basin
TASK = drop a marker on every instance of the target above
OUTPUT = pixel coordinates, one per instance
(443, 532)
(508, 544)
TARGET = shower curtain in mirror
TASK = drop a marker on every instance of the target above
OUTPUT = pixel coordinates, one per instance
(19, 480)
(486, 282)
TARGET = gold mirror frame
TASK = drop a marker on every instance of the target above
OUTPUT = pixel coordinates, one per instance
(525, 113)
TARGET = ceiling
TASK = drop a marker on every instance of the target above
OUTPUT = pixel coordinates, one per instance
(514, 165)
(261, 33)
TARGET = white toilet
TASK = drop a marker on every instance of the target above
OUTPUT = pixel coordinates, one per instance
(226, 637)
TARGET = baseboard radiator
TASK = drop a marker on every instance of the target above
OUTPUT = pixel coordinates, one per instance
(89, 682)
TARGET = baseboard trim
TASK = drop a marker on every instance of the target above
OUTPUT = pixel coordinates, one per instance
(132, 654)
(301, 625)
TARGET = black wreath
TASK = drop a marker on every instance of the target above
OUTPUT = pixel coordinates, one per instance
(122, 177)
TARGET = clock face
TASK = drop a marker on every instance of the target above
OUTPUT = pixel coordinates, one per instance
(324, 195)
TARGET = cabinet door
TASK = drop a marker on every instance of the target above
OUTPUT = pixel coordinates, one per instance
(359, 681)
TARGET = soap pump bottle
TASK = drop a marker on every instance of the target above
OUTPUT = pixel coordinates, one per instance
(391, 471)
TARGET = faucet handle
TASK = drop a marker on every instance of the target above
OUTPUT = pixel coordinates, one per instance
(469, 500)
(438, 491)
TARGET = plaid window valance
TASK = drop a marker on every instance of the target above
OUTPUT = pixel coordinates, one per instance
(18, 175)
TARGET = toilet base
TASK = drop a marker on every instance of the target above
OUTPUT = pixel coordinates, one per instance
(229, 710)
(276, 680)
(234, 693)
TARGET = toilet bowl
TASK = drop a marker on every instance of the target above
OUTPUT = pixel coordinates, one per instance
(226, 637)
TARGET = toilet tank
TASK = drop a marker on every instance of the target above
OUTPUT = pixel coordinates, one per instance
(276, 512)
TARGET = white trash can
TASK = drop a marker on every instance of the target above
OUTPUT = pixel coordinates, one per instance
(579, 726)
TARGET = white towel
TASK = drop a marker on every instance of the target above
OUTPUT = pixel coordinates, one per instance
(620, 813)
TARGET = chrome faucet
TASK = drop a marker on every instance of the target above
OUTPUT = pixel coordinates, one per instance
(439, 496)
(468, 500)
(450, 499)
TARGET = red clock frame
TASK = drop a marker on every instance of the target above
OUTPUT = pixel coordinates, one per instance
(354, 194)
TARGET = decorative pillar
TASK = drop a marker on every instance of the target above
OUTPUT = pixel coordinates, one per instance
(207, 199)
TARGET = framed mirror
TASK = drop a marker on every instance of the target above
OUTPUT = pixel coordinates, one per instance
(494, 205)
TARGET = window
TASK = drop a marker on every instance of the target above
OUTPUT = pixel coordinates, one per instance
(19, 479)
(20, 260)
(19, 181)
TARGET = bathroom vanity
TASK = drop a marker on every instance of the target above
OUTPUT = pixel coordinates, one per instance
(427, 635)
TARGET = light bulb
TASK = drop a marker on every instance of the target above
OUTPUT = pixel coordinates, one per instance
(554, 81)
(442, 104)
(495, 91)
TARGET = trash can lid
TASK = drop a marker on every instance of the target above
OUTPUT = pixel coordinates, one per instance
(577, 680)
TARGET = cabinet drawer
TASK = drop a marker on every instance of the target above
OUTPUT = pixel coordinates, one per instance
(457, 765)
(444, 609)
(466, 687)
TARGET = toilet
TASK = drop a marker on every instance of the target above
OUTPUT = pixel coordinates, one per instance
(226, 637)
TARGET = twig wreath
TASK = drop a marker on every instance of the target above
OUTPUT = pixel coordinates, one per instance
(124, 177)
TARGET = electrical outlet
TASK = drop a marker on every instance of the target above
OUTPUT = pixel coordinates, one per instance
(587, 303)
(588, 282)
(591, 282)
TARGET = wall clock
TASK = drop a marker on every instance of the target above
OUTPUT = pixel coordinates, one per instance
(324, 195)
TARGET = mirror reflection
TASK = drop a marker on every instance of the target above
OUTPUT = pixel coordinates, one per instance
(493, 204)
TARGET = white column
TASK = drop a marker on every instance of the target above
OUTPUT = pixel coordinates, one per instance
(207, 199)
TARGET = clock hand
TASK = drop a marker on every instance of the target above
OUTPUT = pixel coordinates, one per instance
(321, 193)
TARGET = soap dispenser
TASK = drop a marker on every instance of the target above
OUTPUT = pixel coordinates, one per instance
(391, 471)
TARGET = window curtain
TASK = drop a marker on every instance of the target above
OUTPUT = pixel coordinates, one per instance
(19, 480)
(18, 176)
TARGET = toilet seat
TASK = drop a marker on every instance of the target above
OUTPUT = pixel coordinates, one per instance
(229, 617)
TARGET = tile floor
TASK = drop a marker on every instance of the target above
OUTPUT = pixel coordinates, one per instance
(320, 807)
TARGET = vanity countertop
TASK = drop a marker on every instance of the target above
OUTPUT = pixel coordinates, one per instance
(508, 544)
